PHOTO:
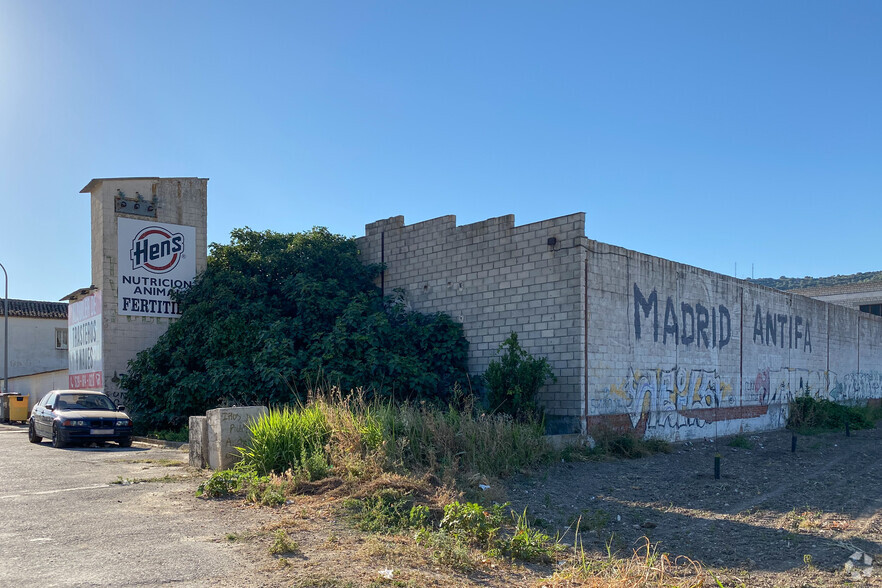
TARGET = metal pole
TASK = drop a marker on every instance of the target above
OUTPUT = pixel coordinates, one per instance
(5, 331)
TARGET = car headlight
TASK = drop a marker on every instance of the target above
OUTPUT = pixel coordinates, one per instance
(124, 423)
(74, 423)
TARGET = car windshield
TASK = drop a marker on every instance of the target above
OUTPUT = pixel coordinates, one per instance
(83, 402)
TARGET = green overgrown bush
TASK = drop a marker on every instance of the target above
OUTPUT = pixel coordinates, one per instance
(276, 314)
(514, 380)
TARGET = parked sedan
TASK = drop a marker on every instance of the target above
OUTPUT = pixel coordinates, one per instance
(79, 416)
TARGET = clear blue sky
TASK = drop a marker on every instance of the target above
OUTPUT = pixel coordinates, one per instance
(711, 133)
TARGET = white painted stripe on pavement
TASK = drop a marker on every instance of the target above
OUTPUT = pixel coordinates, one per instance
(92, 487)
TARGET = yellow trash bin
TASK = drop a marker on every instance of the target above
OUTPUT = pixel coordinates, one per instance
(18, 408)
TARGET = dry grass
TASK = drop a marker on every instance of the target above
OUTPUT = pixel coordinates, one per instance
(645, 567)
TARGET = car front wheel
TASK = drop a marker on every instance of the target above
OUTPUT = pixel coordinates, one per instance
(32, 433)
(57, 439)
(125, 442)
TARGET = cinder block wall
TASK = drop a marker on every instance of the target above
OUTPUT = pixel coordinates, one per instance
(497, 278)
(182, 201)
(677, 352)
(637, 342)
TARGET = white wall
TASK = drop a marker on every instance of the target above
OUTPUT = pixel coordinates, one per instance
(38, 385)
(32, 346)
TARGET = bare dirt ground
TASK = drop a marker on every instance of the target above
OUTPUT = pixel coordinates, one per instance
(774, 518)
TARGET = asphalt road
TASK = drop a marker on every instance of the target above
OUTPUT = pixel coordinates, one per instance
(65, 520)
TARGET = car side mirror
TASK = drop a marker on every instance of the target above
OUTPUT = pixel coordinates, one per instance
(121, 408)
(50, 407)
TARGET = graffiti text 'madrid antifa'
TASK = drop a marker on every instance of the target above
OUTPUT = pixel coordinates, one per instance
(688, 324)
(694, 323)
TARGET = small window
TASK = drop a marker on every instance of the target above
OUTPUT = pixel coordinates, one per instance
(875, 309)
(61, 338)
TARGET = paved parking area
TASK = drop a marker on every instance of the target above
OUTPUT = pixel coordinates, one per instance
(112, 517)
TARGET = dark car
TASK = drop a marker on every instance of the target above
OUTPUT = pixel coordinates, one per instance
(79, 416)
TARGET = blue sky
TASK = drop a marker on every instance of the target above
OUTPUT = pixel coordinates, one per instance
(710, 133)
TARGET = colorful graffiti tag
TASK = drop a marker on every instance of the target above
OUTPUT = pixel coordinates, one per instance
(673, 398)
(857, 386)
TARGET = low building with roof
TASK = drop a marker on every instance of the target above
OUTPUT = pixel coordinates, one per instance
(37, 356)
(863, 296)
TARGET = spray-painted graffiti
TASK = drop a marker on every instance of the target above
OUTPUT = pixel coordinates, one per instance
(782, 330)
(673, 398)
(856, 386)
(693, 323)
(782, 385)
(116, 394)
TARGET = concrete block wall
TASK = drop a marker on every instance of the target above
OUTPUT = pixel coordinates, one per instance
(497, 278)
(663, 343)
(181, 201)
(677, 352)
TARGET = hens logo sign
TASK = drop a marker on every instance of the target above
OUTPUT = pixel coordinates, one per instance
(154, 259)
(156, 250)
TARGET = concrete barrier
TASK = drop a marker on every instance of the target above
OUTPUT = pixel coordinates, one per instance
(199, 441)
(226, 429)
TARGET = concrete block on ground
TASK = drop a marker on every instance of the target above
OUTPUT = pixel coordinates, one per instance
(198, 441)
(227, 430)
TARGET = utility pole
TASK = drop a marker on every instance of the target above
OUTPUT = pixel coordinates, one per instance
(5, 331)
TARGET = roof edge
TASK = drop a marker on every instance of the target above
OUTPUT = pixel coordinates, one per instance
(88, 188)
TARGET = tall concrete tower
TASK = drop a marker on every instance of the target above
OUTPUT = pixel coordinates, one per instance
(149, 236)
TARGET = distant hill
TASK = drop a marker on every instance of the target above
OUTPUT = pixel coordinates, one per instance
(784, 283)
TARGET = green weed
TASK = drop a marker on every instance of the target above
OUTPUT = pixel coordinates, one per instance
(387, 511)
(473, 523)
(288, 439)
(282, 544)
(528, 544)
(226, 482)
(741, 442)
(447, 550)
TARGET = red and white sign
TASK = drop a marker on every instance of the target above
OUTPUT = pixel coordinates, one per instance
(84, 339)
(154, 259)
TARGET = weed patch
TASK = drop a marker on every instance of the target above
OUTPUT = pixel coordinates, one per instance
(740, 442)
(283, 544)
(386, 511)
(610, 442)
(647, 566)
(289, 439)
(810, 415)
(528, 543)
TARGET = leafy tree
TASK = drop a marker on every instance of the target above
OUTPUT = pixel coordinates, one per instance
(274, 314)
(514, 380)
